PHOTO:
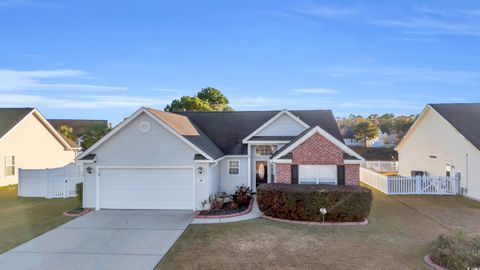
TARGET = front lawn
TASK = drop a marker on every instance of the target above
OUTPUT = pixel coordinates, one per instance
(398, 236)
(22, 219)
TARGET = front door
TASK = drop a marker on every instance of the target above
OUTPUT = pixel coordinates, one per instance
(261, 172)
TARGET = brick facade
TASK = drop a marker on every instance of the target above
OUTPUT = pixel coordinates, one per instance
(317, 150)
(352, 174)
(284, 174)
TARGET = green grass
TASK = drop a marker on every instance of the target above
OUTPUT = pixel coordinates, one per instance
(398, 236)
(22, 219)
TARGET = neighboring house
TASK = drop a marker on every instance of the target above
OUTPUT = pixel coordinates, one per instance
(445, 141)
(79, 126)
(28, 141)
(162, 160)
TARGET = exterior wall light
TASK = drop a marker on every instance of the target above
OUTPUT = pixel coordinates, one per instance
(200, 170)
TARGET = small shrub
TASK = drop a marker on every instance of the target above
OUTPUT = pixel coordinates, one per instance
(303, 202)
(242, 195)
(457, 251)
(79, 189)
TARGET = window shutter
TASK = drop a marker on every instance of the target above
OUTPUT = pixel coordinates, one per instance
(341, 175)
(294, 174)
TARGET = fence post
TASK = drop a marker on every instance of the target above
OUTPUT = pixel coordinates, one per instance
(388, 185)
(418, 184)
(47, 181)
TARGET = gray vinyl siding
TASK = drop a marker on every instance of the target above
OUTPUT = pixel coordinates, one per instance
(131, 147)
(229, 182)
(215, 179)
(157, 147)
(282, 126)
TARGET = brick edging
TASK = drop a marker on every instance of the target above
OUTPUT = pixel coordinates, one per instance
(360, 223)
(246, 211)
(85, 211)
(428, 260)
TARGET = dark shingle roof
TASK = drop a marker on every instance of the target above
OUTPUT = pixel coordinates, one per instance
(349, 157)
(227, 129)
(464, 117)
(9, 117)
(89, 157)
(79, 126)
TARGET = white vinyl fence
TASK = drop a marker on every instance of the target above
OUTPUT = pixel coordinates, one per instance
(382, 166)
(49, 183)
(402, 185)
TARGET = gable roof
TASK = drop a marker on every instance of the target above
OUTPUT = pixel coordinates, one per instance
(286, 149)
(227, 129)
(9, 117)
(79, 126)
(464, 117)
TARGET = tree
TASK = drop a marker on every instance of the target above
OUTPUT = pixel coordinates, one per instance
(93, 134)
(67, 132)
(187, 103)
(366, 130)
(207, 99)
(215, 98)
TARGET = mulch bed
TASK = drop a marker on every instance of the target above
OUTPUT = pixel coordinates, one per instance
(77, 212)
(225, 213)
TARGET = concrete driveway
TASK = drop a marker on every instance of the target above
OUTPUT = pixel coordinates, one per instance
(105, 239)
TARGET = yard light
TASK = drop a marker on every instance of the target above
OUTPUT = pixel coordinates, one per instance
(323, 211)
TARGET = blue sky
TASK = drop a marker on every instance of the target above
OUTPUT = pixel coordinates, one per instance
(104, 59)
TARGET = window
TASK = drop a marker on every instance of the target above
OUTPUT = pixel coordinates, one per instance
(9, 165)
(265, 150)
(317, 174)
(233, 167)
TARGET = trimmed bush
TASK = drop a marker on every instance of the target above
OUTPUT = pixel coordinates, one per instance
(79, 189)
(303, 202)
(458, 251)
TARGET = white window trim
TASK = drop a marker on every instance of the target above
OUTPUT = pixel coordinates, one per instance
(317, 178)
(14, 165)
(238, 167)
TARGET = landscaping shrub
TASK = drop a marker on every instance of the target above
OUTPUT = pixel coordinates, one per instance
(303, 202)
(79, 189)
(457, 251)
(242, 195)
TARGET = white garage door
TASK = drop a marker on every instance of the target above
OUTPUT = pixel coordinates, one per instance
(317, 174)
(146, 188)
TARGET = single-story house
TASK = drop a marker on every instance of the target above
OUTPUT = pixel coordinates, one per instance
(79, 126)
(161, 160)
(445, 141)
(28, 141)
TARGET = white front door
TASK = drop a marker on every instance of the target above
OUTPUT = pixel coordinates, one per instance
(146, 188)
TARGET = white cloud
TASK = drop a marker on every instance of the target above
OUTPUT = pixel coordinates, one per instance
(83, 102)
(20, 80)
(404, 74)
(328, 11)
(315, 91)
(427, 26)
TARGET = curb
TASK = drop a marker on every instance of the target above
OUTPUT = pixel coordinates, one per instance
(361, 223)
(432, 264)
(244, 212)
(85, 211)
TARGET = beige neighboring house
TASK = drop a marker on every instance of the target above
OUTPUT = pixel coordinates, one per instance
(445, 141)
(28, 141)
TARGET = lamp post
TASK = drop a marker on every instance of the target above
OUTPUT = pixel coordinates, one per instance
(323, 211)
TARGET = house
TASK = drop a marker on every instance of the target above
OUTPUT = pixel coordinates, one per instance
(162, 160)
(445, 141)
(79, 126)
(28, 141)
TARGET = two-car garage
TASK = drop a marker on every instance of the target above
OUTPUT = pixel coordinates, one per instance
(145, 188)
